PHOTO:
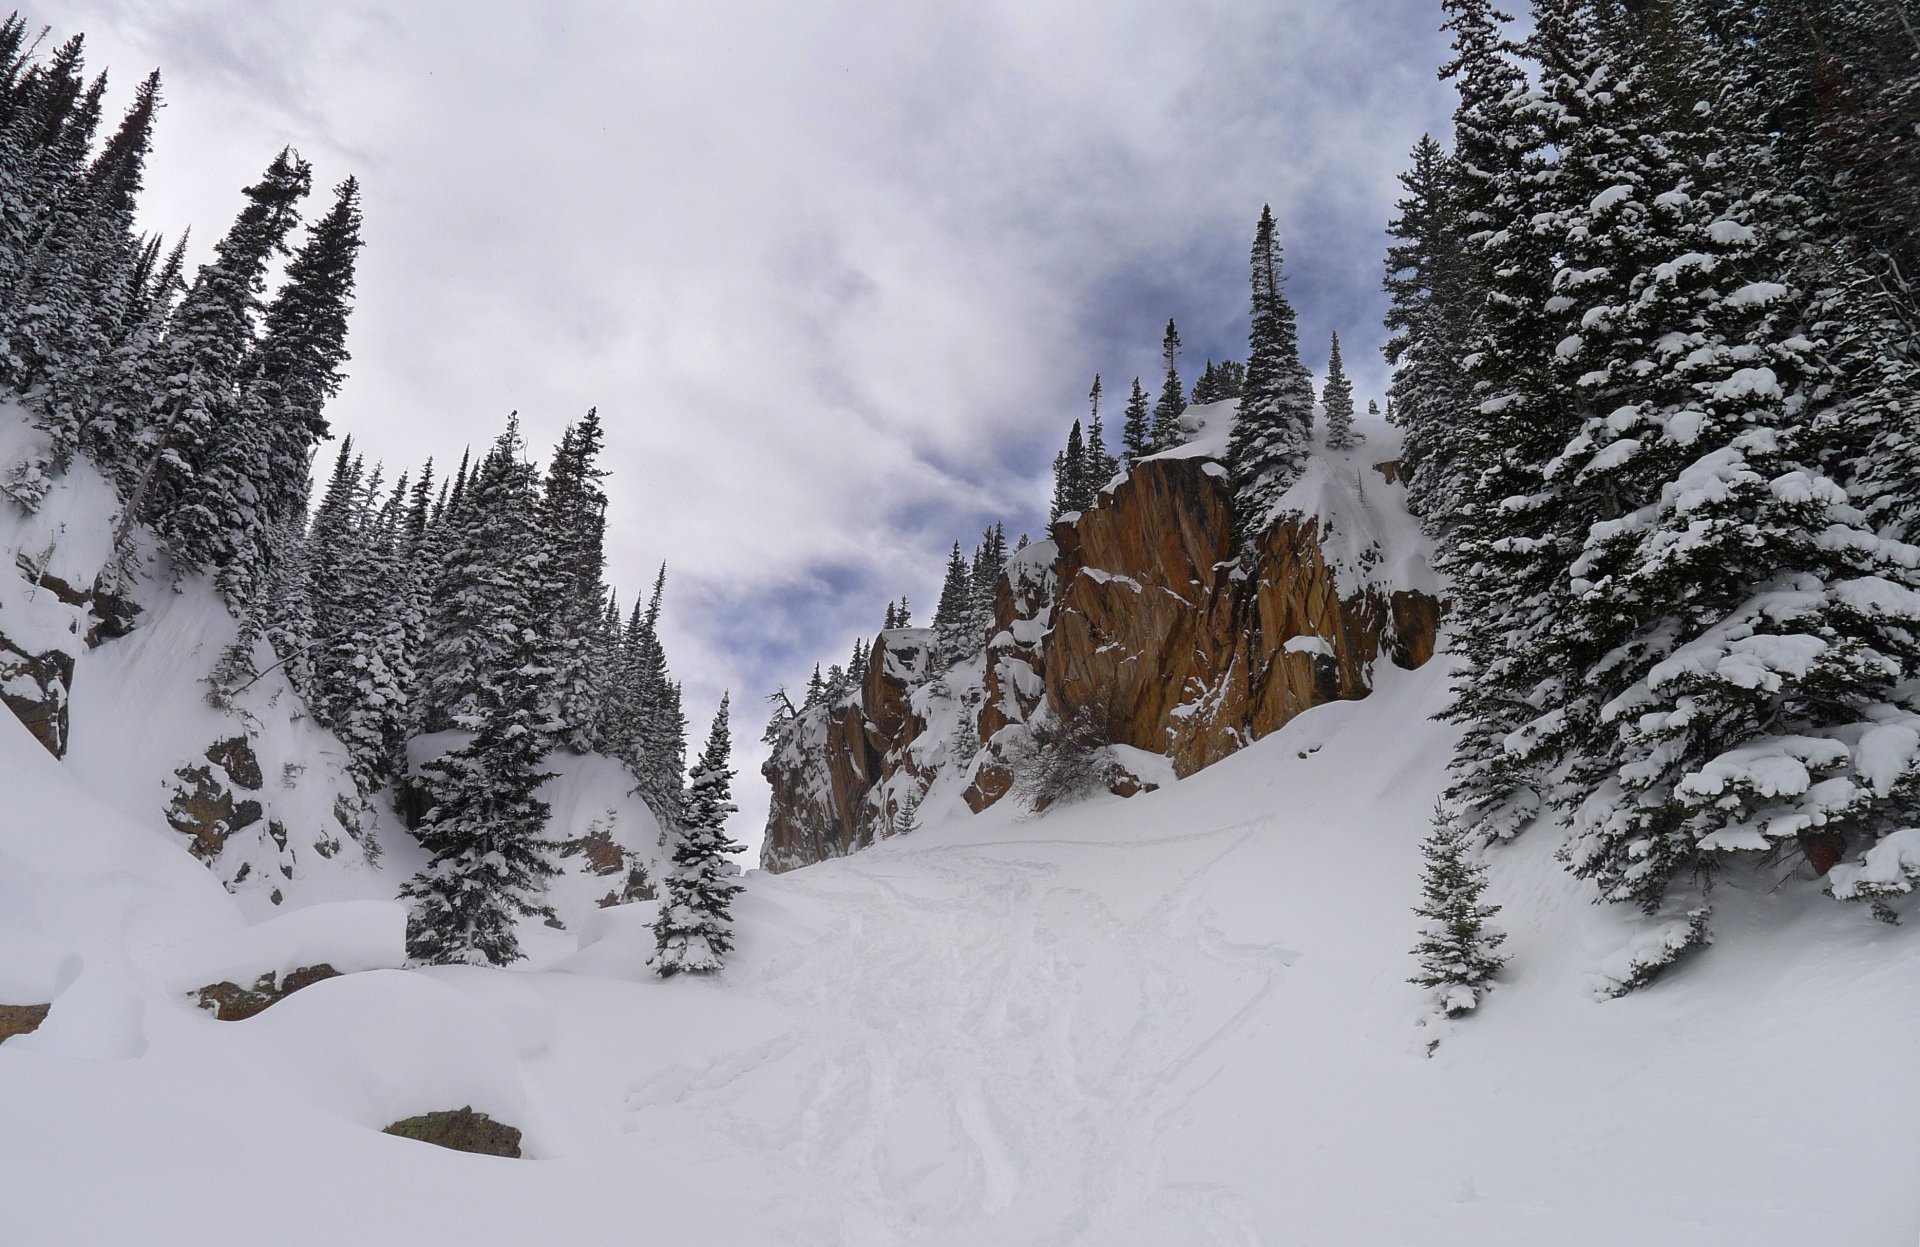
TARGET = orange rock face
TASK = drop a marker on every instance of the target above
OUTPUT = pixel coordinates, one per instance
(825, 792)
(1144, 618)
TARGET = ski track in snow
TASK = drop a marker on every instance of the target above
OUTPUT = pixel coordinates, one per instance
(959, 1050)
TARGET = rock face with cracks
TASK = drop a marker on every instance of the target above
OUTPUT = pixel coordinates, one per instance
(1142, 613)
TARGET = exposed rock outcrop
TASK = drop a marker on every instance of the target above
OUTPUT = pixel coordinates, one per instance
(213, 801)
(831, 799)
(21, 1019)
(1141, 614)
(462, 1130)
(231, 1002)
(35, 687)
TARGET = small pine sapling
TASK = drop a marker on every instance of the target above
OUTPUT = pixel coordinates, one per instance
(1456, 949)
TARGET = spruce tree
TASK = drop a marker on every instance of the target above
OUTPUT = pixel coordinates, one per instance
(1167, 430)
(1136, 435)
(484, 826)
(575, 507)
(694, 932)
(1337, 399)
(1267, 449)
(1457, 947)
(195, 484)
(1101, 465)
(951, 616)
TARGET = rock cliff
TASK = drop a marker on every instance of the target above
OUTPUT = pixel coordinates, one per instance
(1139, 623)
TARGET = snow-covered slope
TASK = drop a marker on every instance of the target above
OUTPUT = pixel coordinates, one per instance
(1178, 1019)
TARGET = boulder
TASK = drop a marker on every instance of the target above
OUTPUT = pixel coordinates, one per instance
(462, 1130)
(231, 1002)
(21, 1019)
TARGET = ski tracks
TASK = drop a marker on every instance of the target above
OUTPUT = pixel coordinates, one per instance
(983, 1052)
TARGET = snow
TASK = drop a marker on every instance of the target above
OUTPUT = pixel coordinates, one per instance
(1175, 1019)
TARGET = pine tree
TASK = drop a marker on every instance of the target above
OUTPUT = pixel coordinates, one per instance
(1267, 449)
(498, 551)
(1073, 485)
(575, 506)
(1167, 430)
(1337, 399)
(1101, 465)
(194, 485)
(989, 560)
(1137, 433)
(694, 932)
(484, 827)
(1457, 947)
(950, 618)
(1430, 308)
(659, 750)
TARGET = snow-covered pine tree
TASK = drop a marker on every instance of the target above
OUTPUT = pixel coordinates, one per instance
(1733, 618)
(1136, 435)
(694, 932)
(1337, 399)
(1513, 418)
(484, 828)
(1457, 948)
(659, 750)
(495, 538)
(575, 510)
(75, 289)
(1167, 430)
(193, 436)
(364, 669)
(989, 560)
(295, 368)
(1267, 448)
(952, 616)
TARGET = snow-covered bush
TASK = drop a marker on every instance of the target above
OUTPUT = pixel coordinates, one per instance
(1647, 956)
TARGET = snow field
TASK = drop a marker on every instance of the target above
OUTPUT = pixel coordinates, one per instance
(1180, 1018)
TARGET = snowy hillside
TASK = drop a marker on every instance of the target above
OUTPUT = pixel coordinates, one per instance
(1174, 1019)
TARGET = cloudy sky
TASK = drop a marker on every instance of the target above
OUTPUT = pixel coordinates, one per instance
(837, 275)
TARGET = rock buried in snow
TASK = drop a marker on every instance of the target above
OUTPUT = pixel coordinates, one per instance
(21, 1019)
(462, 1130)
(231, 1002)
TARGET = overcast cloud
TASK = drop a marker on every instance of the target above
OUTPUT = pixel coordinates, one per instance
(837, 275)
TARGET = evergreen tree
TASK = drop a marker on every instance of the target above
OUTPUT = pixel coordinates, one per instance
(694, 932)
(659, 749)
(575, 511)
(1430, 305)
(1073, 485)
(498, 551)
(892, 620)
(1457, 947)
(191, 486)
(951, 617)
(1101, 465)
(1167, 430)
(989, 560)
(484, 827)
(1137, 433)
(1337, 399)
(1267, 448)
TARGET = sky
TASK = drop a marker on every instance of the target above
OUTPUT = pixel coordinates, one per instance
(836, 275)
